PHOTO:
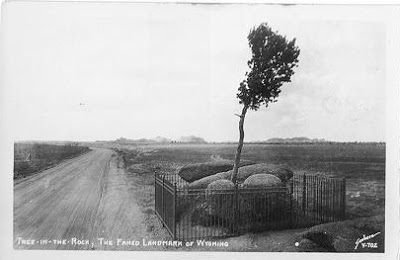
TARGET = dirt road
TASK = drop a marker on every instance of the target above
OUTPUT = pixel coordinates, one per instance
(76, 203)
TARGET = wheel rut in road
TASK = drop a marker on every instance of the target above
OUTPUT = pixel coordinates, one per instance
(87, 198)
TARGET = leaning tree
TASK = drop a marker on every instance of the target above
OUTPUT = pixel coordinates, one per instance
(272, 62)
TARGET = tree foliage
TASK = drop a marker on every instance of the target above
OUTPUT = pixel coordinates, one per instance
(271, 65)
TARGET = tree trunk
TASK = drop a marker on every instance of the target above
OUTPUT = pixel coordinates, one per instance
(240, 145)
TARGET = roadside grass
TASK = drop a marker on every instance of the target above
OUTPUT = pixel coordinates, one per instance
(30, 158)
(342, 236)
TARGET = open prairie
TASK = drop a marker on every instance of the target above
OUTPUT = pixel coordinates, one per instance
(362, 164)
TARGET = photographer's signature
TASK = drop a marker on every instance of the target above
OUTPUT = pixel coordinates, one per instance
(365, 238)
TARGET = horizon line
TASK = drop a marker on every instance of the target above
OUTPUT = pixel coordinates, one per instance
(206, 142)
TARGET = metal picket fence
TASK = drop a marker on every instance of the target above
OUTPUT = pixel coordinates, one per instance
(304, 201)
(317, 199)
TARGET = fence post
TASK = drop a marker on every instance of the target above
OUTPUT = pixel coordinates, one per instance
(174, 213)
(291, 187)
(293, 196)
(162, 201)
(304, 193)
(236, 210)
(290, 196)
(343, 191)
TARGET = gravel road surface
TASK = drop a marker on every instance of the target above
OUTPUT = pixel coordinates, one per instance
(76, 204)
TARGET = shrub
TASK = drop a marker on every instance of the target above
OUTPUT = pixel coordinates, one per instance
(197, 171)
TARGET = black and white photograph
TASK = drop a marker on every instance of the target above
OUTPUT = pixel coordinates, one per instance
(200, 127)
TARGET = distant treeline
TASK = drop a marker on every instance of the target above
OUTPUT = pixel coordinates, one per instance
(199, 140)
(233, 143)
(309, 143)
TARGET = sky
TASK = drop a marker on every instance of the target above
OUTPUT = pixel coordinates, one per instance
(98, 71)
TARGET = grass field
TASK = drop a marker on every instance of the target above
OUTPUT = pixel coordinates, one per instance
(30, 158)
(363, 165)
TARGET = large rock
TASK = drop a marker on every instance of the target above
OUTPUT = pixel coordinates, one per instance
(220, 198)
(197, 171)
(204, 182)
(262, 181)
(220, 185)
(262, 208)
(279, 171)
(244, 172)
